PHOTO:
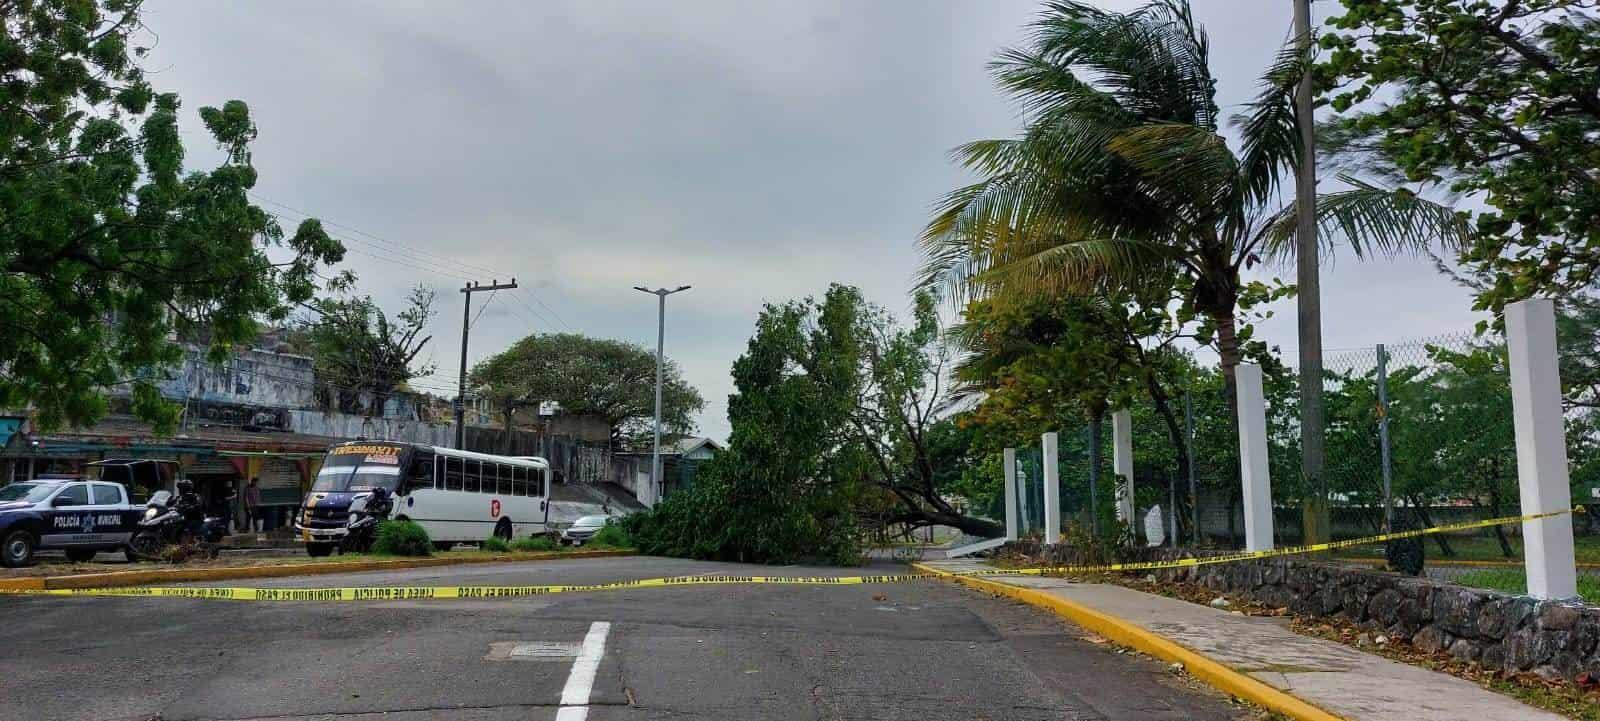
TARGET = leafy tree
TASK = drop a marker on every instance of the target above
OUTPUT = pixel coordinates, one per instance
(608, 379)
(837, 431)
(111, 250)
(786, 488)
(1501, 101)
(360, 355)
(1120, 175)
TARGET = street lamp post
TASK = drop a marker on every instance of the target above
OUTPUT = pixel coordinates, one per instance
(661, 335)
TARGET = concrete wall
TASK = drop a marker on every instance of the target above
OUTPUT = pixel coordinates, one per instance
(341, 425)
(251, 378)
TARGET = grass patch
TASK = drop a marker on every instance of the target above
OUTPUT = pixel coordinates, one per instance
(495, 544)
(1482, 548)
(1516, 581)
(535, 543)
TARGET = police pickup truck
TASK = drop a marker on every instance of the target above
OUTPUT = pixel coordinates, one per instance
(79, 516)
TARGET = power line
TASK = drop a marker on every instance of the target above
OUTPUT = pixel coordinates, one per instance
(411, 249)
(423, 254)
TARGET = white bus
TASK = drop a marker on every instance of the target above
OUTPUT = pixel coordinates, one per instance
(456, 495)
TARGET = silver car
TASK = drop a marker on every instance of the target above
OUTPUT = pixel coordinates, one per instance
(583, 529)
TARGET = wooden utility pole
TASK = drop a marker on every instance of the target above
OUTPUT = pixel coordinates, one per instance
(466, 325)
(1317, 521)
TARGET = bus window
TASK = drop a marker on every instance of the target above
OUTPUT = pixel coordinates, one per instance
(505, 480)
(519, 481)
(474, 473)
(452, 474)
(421, 475)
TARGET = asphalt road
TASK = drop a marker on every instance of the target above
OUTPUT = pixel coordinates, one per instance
(925, 651)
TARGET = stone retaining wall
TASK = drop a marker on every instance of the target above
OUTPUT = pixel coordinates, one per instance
(1554, 639)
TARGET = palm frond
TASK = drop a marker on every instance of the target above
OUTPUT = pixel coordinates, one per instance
(1371, 221)
(1155, 61)
(1270, 129)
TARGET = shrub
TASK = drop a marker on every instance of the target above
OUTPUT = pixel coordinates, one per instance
(535, 543)
(496, 544)
(402, 538)
(613, 535)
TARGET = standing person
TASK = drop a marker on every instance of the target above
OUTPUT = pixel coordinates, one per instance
(252, 505)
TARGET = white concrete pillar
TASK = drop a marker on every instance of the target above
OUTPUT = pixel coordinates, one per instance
(1052, 489)
(1253, 470)
(1542, 472)
(1010, 461)
(1122, 464)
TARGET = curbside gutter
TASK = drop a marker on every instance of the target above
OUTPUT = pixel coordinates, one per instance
(1127, 633)
(144, 577)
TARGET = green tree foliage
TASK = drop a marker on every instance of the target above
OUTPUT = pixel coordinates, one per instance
(361, 356)
(785, 489)
(1501, 101)
(609, 379)
(1120, 175)
(837, 431)
(110, 248)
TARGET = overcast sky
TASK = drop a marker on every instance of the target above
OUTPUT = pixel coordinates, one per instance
(757, 151)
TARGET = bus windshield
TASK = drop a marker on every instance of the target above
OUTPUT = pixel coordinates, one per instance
(359, 468)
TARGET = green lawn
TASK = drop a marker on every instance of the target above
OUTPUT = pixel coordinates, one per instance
(1483, 548)
(1515, 581)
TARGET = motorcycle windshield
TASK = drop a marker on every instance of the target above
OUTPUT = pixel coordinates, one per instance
(161, 499)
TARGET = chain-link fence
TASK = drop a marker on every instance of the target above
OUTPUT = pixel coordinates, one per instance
(1417, 433)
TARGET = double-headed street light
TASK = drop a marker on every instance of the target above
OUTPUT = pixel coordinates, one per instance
(661, 333)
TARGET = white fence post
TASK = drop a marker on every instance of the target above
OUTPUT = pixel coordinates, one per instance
(1052, 489)
(1122, 464)
(1253, 470)
(1542, 473)
(1010, 459)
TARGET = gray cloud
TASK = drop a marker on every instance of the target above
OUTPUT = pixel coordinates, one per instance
(755, 150)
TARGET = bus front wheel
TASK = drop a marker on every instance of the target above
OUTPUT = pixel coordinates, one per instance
(502, 530)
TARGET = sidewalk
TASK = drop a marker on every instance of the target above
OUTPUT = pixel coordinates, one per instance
(1332, 676)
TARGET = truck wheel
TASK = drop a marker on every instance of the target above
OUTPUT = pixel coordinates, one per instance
(17, 549)
(80, 555)
(318, 550)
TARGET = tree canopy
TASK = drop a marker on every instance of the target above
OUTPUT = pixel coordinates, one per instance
(110, 248)
(609, 379)
(1120, 175)
(361, 356)
(1496, 100)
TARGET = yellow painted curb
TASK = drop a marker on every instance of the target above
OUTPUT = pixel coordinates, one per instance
(1134, 636)
(28, 583)
(144, 577)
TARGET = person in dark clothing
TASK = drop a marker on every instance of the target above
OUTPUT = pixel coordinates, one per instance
(252, 505)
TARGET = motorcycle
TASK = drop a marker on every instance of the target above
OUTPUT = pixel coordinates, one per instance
(167, 522)
(366, 512)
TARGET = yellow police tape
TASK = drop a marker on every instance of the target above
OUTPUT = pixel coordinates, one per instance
(391, 593)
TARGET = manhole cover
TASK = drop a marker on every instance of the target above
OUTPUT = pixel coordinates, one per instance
(532, 651)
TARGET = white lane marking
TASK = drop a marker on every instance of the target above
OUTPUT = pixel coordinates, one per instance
(575, 697)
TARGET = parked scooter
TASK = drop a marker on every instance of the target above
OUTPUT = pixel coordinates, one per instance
(366, 512)
(177, 521)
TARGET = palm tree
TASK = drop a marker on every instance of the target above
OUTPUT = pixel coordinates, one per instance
(1120, 175)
